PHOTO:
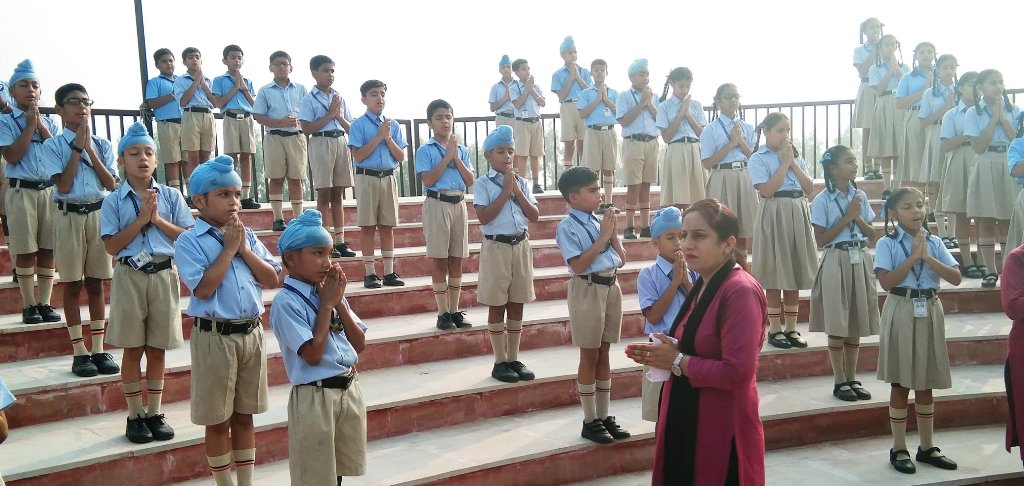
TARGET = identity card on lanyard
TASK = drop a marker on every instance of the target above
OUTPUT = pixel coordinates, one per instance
(854, 251)
(920, 303)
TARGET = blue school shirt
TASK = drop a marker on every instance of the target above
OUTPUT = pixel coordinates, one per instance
(316, 104)
(576, 234)
(828, 208)
(163, 86)
(975, 123)
(876, 73)
(6, 397)
(912, 83)
(239, 296)
(276, 102)
(765, 162)
(511, 220)
(1014, 156)
(199, 98)
(497, 93)
(953, 122)
(87, 187)
(531, 107)
(293, 320)
(643, 124)
(603, 114)
(560, 76)
(934, 100)
(363, 130)
(430, 154)
(651, 284)
(716, 135)
(223, 84)
(667, 111)
(5, 93)
(889, 254)
(862, 52)
(33, 165)
(121, 208)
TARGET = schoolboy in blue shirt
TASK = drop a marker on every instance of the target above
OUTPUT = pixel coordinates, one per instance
(527, 99)
(593, 252)
(82, 166)
(31, 213)
(167, 114)
(637, 110)
(233, 95)
(378, 147)
(226, 268)
(444, 167)
(194, 95)
(600, 143)
(500, 98)
(320, 339)
(139, 223)
(566, 83)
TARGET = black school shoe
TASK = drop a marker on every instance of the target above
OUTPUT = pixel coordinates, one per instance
(138, 431)
(48, 313)
(844, 392)
(795, 340)
(537, 189)
(779, 340)
(82, 366)
(595, 431)
(459, 318)
(105, 364)
(392, 280)
(504, 372)
(521, 370)
(444, 322)
(371, 281)
(629, 233)
(859, 390)
(905, 466)
(617, 433)
(30, 315)
(343, 250)
(250, 203)
(159, 428)
(940, 461)
(279, 225)
(645, 232)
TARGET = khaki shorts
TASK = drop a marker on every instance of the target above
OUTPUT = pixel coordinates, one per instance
(595, 313)
(81, 253)
(601, 149)
(198, 132)
(529, 138)
(229, 375)
(378, 201)
(30, 219)
(284, 156)
(446, 228)
(506, 273)
(239, 136)
(503, 120)
(650, 397)
(326, 434)
(640, 159)
(168, 138)
(572, 124)
(331, 161)
(144, 308)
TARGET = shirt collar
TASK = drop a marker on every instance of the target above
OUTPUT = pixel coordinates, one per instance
(68, 134)
(369, 114)
(303, 287)
(900, 232)
(16, 112)
(127, 189)
(171, 78)
(849, 194)
(664, 265)
(202, 226)
(583, 216)
(328, 94)
(962, 107)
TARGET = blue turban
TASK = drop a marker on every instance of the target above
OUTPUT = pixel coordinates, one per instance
(500, 136)
(638, 65)
(136, 134)
(567, 44)
(666, 219)
(25, 70)
(213, 174)
(505, 61)
(302, 232)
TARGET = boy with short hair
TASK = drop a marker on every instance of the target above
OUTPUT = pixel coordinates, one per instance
(139, 223)
(233, 95)
(378, 147)
(321, 338)
(167, 114)
(600, 143)
(505, 207)
(593, 252)
(527, 99)
(500, 98)
(444, 167)
(325, 118)
(192, 90)
(567, 83)
(82, 166)
(284, 147)
(30, 200)
(226, 268)
(637, 110)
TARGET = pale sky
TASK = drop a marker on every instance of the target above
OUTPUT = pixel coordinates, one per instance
(781, 51)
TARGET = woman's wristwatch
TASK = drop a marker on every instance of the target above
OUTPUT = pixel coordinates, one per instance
(675, 364)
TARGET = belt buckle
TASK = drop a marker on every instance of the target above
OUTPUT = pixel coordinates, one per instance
(148, 268)
(81, 209)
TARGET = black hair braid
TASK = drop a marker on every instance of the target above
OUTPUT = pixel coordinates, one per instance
(664, 92)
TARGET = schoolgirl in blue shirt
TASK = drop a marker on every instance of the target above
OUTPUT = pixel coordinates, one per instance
(864, 105)
(886, 123)
(909, 262)
(935, 102)
(908, 97)
(959, 165)
(681, 121)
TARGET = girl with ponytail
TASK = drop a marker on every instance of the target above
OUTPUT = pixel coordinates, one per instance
(935, 102)
(886, 124)
(864, 105)
(681, 120)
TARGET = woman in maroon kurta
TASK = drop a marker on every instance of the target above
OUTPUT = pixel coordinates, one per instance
(1013, 304)
(709, 431)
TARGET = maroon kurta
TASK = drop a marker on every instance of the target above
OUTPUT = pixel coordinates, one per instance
(724, 369)
(1012, 292)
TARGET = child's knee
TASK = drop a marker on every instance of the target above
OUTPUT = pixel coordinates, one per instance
(93, 285)
(241, 420)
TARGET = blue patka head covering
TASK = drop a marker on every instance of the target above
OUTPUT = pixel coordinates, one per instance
(505, 61)
(213, 174)
(567, 44)
(666, 219)
(638, 65)
(500, 136)
(305, 231)
(136, 134)
(25, 70)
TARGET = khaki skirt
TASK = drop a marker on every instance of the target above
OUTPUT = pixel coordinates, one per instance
(990, 188)
(953, 192)
(933, 162)
(912, 351)
(784, 249)
(1015, 233)
(913, 147)
(864, 106)
(683, 178)
(886, 129)
(844, 299)
(734, 189)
